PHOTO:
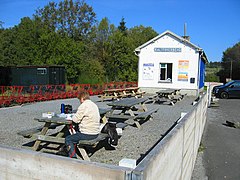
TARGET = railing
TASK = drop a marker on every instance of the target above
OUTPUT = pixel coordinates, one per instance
(11, 95)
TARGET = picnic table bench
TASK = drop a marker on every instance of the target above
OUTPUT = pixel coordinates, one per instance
(121, 93)
(39, 134)
(93, 143)
(167, 95)
(112, 94)
(28, 133)
(82, 144)
(145, 115)
(129, 106)
(134, 92)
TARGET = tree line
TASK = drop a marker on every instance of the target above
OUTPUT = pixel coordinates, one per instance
(228, 68)
(67, 33)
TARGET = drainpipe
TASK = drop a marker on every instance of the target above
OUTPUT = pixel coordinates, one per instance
(198, 78)
(137, 54)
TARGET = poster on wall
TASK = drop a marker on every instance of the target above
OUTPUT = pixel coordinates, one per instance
(183, 70)
(148, 71)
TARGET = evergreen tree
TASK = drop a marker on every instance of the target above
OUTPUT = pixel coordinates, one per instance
(122, 27)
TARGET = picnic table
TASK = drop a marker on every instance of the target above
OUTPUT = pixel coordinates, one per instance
(134, 91)
(128, 105)
(43, 137)
(169, 95)
(40, 134)
(112, 94)
(118, 94)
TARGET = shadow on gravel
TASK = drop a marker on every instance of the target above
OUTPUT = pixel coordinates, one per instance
(228, 125)
(231, 124)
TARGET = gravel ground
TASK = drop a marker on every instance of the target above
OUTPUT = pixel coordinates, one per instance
(134, 143)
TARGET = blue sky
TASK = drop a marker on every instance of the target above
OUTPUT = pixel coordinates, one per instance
(214, 25)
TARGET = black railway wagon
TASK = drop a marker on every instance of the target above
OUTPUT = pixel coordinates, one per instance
(32, 75)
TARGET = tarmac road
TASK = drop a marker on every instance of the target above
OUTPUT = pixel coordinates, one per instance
(221, 156)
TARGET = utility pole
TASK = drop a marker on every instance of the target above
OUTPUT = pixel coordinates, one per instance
(231, 71)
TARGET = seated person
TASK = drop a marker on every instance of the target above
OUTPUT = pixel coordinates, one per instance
(88, 119)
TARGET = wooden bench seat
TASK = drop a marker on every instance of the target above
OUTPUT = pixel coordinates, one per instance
(47, 138)
(103, 97)
(141, 116)
(140, 93)
(93, 143)
(118, 116)
(177, 97)
(144, 116)
(81, 145)
(28, 133)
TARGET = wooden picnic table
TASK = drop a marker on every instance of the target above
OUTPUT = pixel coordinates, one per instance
(121, 93)
(59, 137)
(129, 105)
(166, 92)
(40, 133)
(169, 95)
(134, 91)
(43, 137)
(112, 94)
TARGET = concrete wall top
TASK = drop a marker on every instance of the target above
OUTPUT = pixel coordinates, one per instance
(26, 164)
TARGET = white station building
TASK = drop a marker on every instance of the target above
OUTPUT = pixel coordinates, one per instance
(171, 61)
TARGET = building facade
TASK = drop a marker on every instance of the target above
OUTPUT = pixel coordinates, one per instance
(171, 61)
(32, 75)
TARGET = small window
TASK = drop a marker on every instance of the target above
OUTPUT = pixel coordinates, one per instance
(165, 72)
(42, 71)
(236, 85)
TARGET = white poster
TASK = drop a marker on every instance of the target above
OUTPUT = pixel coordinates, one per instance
(148, 71)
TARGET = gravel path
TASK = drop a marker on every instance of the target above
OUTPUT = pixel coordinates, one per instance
(134, 143)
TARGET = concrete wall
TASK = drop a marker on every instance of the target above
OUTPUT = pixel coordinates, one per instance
(174, 156)
(25, 164)
(210, 86)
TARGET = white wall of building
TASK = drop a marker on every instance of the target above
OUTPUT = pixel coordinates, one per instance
(148, 55)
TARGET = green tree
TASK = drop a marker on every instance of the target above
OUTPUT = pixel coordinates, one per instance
(141, 34)
(122, 26)
(8, 48)
(74, 19)
(231, 63)
(102, 51)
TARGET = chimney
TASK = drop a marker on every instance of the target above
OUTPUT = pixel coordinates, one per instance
(185, 33)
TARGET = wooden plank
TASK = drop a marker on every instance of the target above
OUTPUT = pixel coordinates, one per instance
(118, 116)
(103, 111)
(54, 119)
(84, 154)
(144, 115)
(29, 132)
(52, 139)
(92, 142)
(129, 102)
(43, 132)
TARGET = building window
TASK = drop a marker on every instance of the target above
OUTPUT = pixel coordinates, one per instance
(42, 71)
(165, 72)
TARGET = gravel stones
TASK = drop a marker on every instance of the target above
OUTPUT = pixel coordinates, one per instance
(134, 143)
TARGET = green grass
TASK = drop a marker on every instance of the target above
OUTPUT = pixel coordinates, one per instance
(201, 148)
